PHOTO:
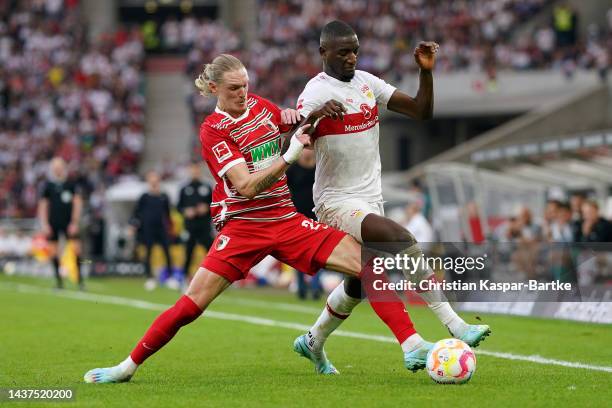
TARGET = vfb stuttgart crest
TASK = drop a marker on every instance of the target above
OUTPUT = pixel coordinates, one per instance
(366, 110)
(222, 241)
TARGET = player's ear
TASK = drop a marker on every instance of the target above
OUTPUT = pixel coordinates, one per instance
(212, 87)
(322, 51)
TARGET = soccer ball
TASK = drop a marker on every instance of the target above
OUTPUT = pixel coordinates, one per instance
(451, 361)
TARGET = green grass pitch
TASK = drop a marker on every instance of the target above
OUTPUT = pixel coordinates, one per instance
(50, 340)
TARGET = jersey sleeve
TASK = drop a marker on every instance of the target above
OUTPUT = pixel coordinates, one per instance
(381, 89)
(309, 100)
(219, 151)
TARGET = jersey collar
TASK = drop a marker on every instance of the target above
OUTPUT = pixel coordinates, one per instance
(230, 117)
(337, 81)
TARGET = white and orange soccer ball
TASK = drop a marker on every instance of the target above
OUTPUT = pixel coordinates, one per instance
(451, 361)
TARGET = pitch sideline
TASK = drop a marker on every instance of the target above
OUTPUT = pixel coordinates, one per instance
(141, 304)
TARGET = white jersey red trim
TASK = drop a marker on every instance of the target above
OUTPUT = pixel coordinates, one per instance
(347, 151)
(254, 139)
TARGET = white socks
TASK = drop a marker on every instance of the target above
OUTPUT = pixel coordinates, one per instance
(444, 312)
(435, 299)
(128, 366)
(341, 306)
(412, 343)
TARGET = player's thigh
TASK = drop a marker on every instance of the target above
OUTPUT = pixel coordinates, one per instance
(205, 287)
(304, 243)
(348, 216)
(239, 246)
(346, 257)
(376, 228)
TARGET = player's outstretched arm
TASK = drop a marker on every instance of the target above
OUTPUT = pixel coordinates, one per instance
(421, 106)
(251, 184)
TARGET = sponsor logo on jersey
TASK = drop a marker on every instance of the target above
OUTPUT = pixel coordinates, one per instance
(366, 110)
(263, 155)
(222, 241)
(349, 100)
(361, 127)
(365, 88)
(222, 152)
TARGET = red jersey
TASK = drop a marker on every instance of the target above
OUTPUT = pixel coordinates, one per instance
(254, 139)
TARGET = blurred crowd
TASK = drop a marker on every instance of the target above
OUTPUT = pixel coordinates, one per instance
(62, 95)
(476, 35)
(577, 221)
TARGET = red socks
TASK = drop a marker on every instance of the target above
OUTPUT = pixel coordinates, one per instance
(165, 327)
(387, 305)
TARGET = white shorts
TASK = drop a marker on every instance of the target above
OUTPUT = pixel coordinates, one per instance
(348, 215)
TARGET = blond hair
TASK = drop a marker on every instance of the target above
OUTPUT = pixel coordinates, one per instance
(215, 70)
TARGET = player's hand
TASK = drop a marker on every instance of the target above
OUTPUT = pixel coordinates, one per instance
(290, 117)
(331, 109)
(73, 229)
(425, 54)
(299, 140)
(303, 138)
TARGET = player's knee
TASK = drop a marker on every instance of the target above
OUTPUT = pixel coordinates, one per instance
(352, 287)
(399, 234)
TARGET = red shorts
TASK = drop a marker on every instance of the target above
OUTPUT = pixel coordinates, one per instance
(298, 241)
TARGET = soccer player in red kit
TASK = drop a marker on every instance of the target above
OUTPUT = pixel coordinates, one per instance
(251, 208)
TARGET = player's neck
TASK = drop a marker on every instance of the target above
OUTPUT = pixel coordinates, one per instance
(233, 114)
(334, 75)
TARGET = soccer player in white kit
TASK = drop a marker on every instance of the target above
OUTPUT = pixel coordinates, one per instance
(347, 190)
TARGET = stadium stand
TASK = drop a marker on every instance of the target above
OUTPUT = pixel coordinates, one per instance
(64, 95)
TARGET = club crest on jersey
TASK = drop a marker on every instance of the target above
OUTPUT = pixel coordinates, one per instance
(366, 90)
(366, 110)
(356, 213)
(270, 125)
(221, 151)
(222, 241)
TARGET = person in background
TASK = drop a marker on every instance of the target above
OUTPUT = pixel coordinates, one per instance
(529, 230)
(562, 234)
(151, 218)
(418, 224)
(550, 217)
(300, 178)
(576, 201)
(59, 213)
(593, 227)
(194, 205)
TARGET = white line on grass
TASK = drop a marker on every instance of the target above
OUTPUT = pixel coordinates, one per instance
(141, 304)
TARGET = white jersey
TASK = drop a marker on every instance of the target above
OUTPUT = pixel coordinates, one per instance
(347, 152)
